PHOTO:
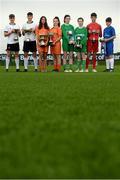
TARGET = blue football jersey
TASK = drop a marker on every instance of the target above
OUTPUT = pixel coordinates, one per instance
(109, 32)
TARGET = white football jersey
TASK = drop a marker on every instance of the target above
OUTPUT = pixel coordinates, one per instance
(12, 38)
(30, 36)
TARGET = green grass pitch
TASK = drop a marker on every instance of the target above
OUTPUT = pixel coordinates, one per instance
(59, 125)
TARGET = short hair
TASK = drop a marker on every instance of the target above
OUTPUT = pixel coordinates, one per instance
(11, 16)
(80, 18)
(94, 15)
(109, 19)
(29, 14)
(66, 17)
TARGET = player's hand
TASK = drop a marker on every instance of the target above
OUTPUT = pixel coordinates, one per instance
(106, 40)
(13, 31)
(53, 44)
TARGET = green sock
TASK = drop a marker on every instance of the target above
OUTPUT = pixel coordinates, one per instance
(66, 66)
(76, 65)
(83, 65)
(71, 67)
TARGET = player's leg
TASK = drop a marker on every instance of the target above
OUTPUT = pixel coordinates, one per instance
(45, 62)
(111, 56)
(55, 62)
(26, 58)
(65, 61)
(89, 52)
(17, 61)
(7, 60)
(94, 62)
(33, 49)
(83, 64)
(41, 66)
(77, 62)
(35, 60)
(71, 61)
(94, 59)
(88, 61)
(58, 62)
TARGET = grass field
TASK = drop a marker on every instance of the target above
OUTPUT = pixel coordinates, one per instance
(59, 125)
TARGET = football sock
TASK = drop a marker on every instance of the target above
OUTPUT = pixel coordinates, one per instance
(94, 63)
(107, 64)
(87, 62)
(58, 67)
(83, 65)
(35, 62)
(17, 63)
(26, 62)
(111, 63)
(7, 62)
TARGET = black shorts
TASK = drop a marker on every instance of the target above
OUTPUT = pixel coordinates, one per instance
(29, 46)
(13, 47)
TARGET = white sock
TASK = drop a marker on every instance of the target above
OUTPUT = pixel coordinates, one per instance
(35, 62)
(26, 62)
(7, 62)
(17, 63)
(112, 63)
(107, 63)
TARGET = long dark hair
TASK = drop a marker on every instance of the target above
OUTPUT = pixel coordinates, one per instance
(56, 17)
(41, 25)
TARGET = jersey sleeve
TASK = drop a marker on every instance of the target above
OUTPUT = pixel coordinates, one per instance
(113, 32)
(84, 40)
(100, 35)
(6, 29)
(59, 32)
(64, 34)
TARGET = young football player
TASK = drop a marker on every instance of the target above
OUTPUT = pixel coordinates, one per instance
(81, 45)
(109, 36)
(28, 31)
(12, 31)
(56, 44)
(42, 32)
(67, 43)
(94, 32)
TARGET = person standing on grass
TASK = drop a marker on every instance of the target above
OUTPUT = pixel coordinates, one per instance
(109, 36)
(81, 45)
(28, 31)
(94, 32)
(42, 33)
(12, 31)
(67, 43)
(56, 45)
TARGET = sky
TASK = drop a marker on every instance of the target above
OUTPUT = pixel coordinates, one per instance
(52, 8)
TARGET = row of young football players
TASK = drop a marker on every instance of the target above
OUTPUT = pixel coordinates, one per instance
(82, 40)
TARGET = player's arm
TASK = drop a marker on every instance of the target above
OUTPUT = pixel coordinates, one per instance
(112, 37)
(84, 40)
(8, 33)
(59, 36)
(109, 39)
(100, 35)
(64, 34)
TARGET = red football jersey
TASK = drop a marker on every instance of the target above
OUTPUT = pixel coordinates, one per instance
(94, 31)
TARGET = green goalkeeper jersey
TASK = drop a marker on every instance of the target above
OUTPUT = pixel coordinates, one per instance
(82, 32)
(66, 28)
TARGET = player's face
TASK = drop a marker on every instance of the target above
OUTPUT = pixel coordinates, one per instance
(93, 18)
(67, 20)
(80, 22)
(55, 22)
(108, 23)
(29, 18)
(12, 20)
(43, 20)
